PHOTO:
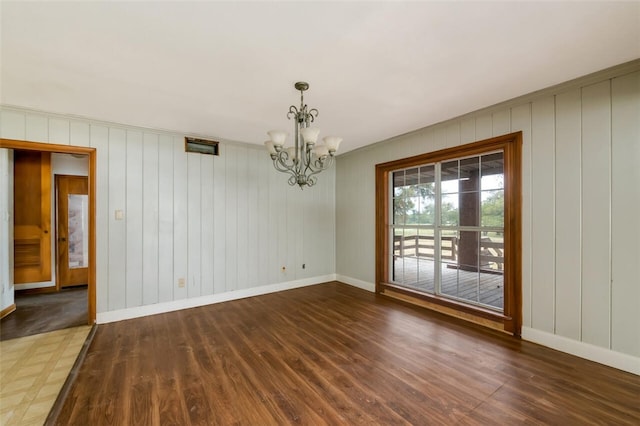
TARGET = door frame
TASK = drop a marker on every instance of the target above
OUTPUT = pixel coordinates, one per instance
(91, 152)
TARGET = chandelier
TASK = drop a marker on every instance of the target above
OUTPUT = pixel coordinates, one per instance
(305, 158)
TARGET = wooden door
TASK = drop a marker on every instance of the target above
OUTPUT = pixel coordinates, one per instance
(32, 216)
(72, 230)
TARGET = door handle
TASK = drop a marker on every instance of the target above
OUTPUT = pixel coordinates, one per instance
(62, 239)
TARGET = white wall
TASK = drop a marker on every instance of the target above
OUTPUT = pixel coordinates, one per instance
(67, 164)
(581, 209)
(226, 224)
(6, 229)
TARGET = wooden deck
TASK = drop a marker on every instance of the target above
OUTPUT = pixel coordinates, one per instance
(485, 288)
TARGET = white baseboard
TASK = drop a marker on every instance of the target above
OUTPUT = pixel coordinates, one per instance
(176, 305)
(29, 286)
(356, 283)
(604, 356)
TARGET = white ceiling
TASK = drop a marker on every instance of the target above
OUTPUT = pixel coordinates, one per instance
(226, 69)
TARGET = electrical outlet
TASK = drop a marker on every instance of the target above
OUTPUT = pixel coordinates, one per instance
(180, 282)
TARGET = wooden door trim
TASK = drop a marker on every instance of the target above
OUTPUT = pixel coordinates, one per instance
(91, 152)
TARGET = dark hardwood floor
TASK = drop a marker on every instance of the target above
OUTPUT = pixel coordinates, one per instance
(40, 313)
(334, 354)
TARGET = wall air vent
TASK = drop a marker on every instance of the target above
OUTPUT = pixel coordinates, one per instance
(201, 146)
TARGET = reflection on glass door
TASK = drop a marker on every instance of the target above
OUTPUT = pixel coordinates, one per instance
(78, 225)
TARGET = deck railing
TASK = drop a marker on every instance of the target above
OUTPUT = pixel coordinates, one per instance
(422, 246)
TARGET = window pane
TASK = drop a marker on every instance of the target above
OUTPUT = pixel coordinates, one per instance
(449, 177)
(493, 208)
(469, 174)
(397, 242)
(426, 276)
(460, 276)
(469, 187)
(448, 263)
(401, 206)
(425, 212)
(410, 278)
(78, 225)
(398, 183)
(427, 174)
(410, 243)
(492, 251)
(492, 269)
(405, 256)
(460, 284)
(492, 171)
(492, 290)
(398, 269)
(449, 210)
(398, 253)
(468, 246)
(413, 213)
(469, 208)
(411, 176)
(426, 244)
(449, 246)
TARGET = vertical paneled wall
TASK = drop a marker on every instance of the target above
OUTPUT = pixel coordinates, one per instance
(220, 223)
(581, 205)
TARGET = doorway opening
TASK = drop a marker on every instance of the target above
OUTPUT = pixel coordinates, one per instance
(75, 257)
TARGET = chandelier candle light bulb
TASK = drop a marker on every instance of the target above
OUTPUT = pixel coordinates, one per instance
(310, 135)
(270, 147)
(277, 137)
(304, 159)
(332, 143)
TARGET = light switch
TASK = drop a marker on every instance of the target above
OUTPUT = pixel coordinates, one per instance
(119, 215)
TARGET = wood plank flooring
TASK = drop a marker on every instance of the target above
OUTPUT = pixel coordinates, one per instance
(334, 354)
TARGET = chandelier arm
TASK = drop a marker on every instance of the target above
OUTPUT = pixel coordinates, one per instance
(280, 167)
(325, 164)
(320, 166)
(311, 180)
(280, 163)
(293, 111)
(307, 161)
(312, 175)
(293, 176)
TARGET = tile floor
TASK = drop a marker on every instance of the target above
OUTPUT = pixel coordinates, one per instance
(32, 372)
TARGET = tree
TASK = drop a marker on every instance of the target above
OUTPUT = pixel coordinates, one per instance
(493, 210)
